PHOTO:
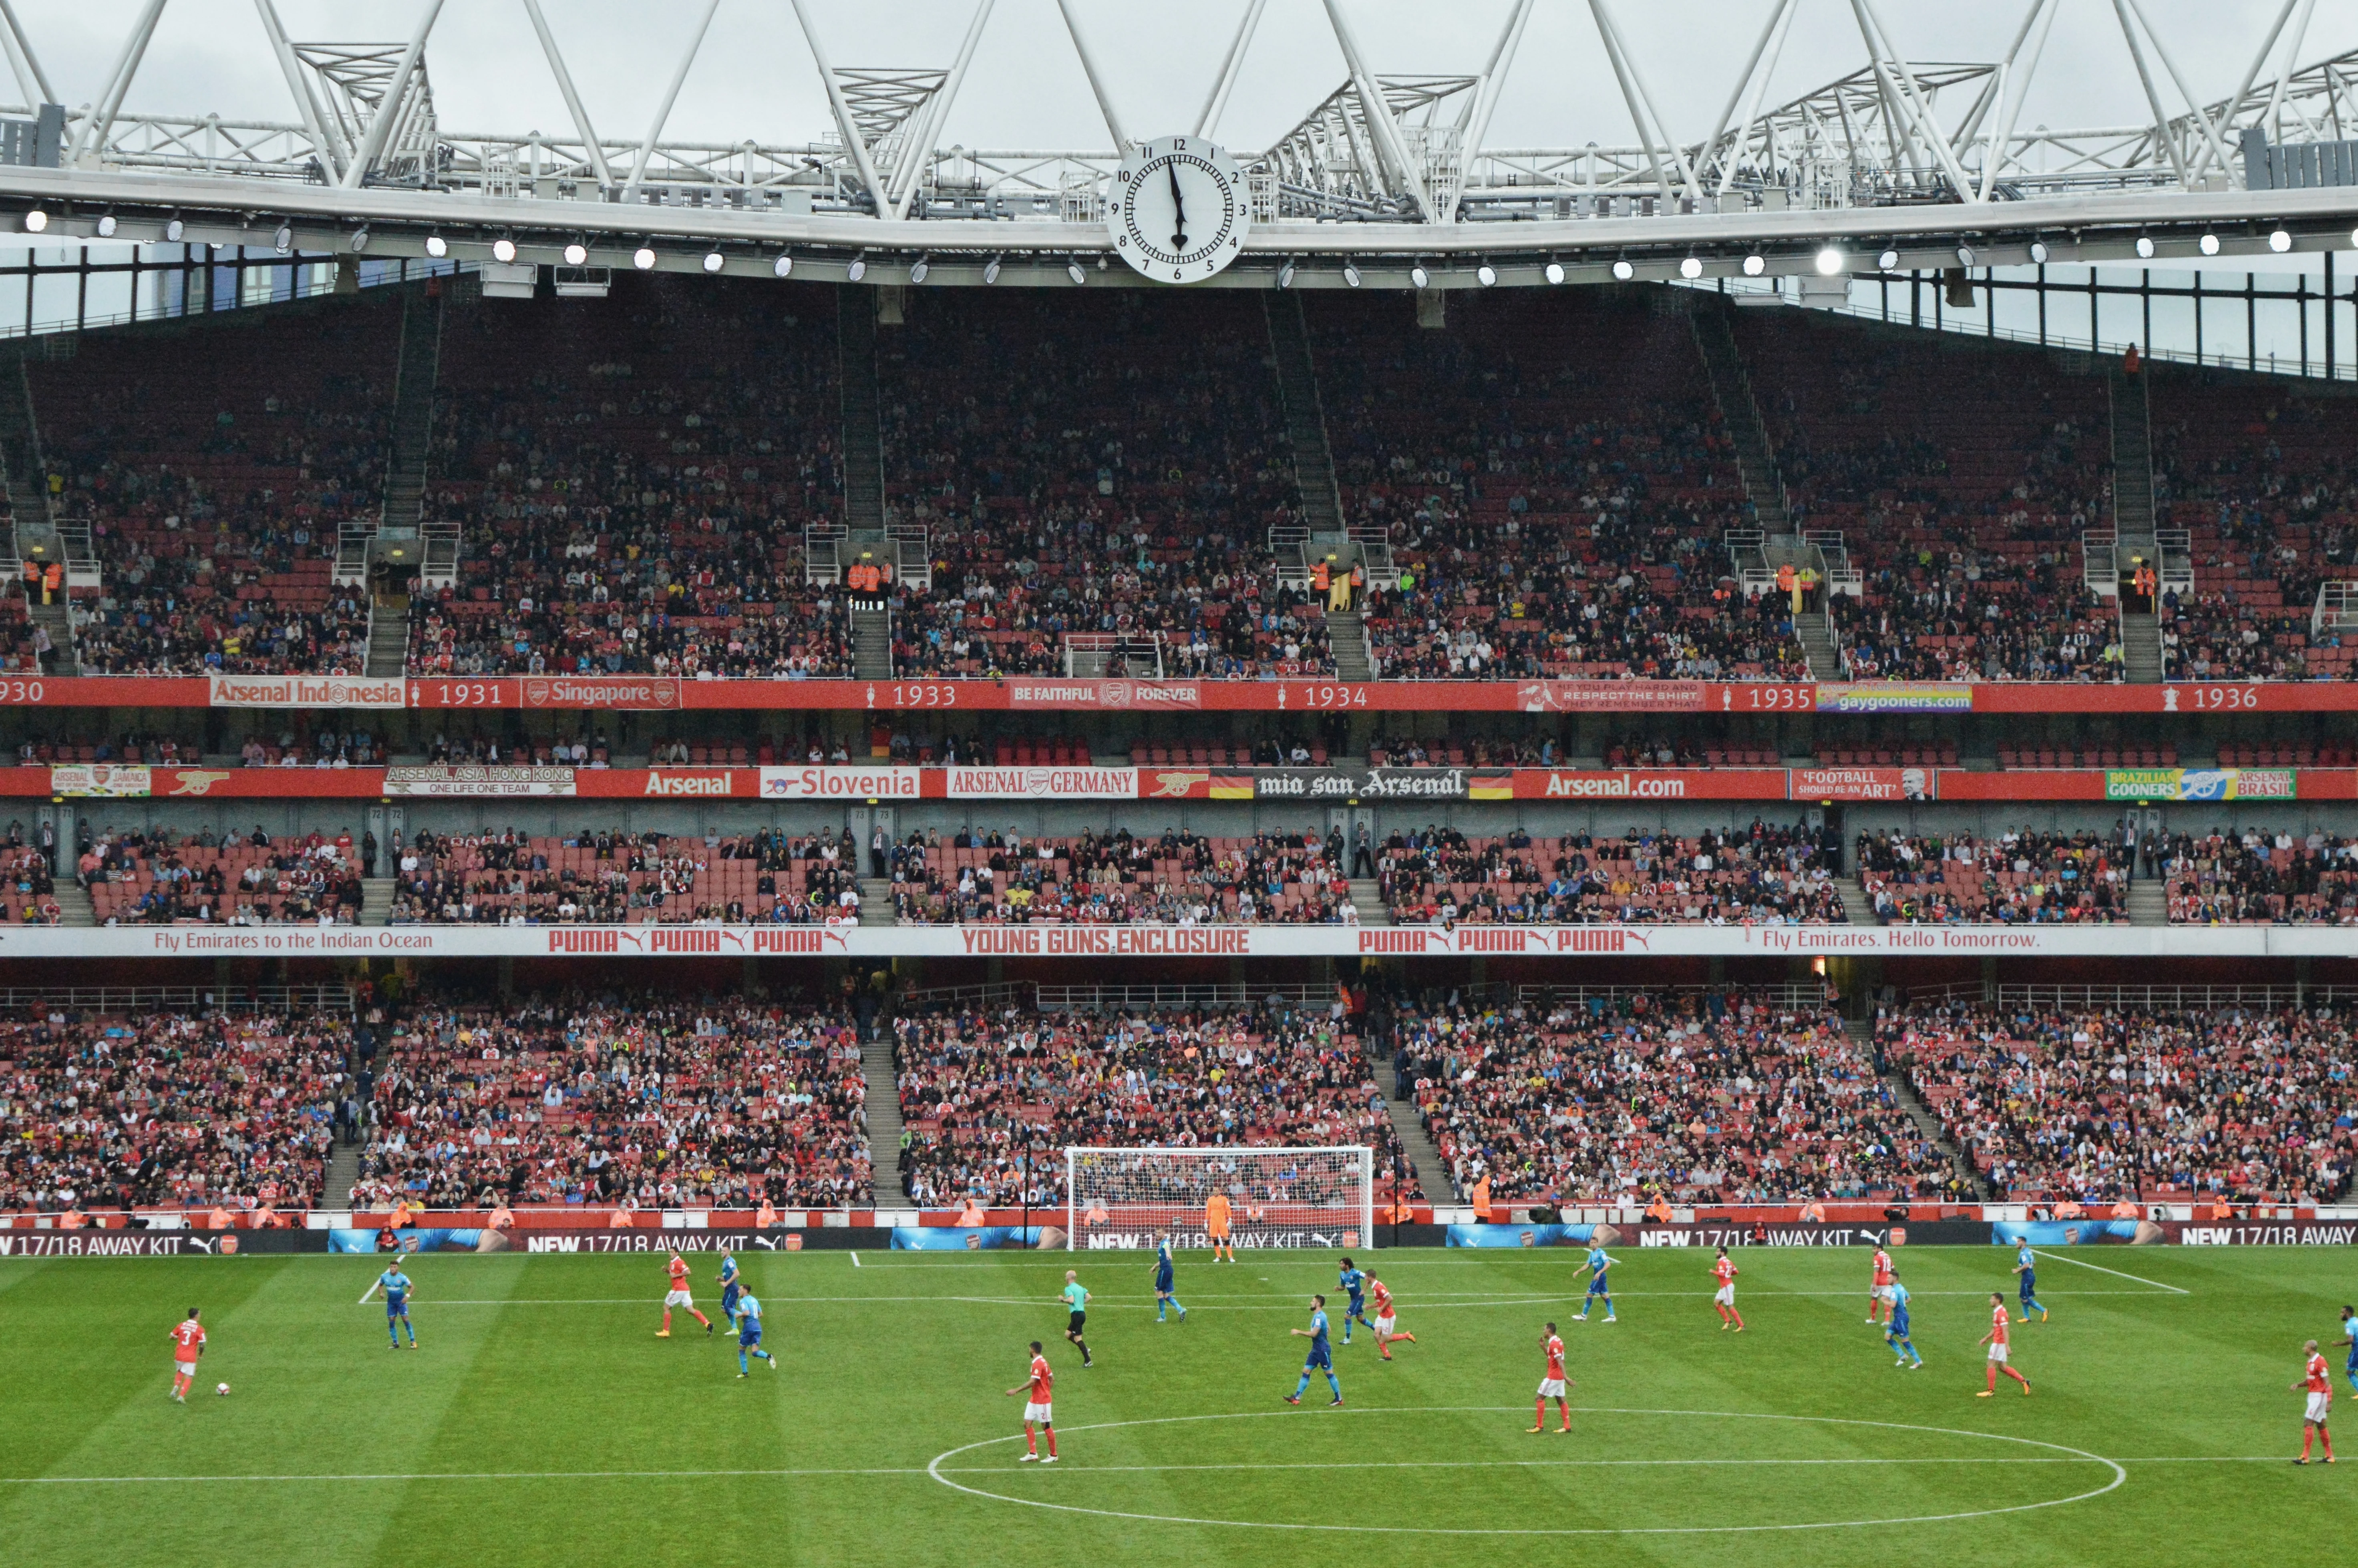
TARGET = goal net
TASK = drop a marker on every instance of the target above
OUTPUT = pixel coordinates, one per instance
(1276, 1198)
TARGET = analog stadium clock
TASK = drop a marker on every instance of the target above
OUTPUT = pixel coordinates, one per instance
(1179, 209)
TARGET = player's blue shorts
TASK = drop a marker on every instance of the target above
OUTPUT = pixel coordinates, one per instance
(396, 1306)
(1163, 1281)
(1322, 1360)
(1597, 1287)
(1898, 1329)
(729, 1294)
(749, 1338)
(2029, 1287)
(1359, 1306)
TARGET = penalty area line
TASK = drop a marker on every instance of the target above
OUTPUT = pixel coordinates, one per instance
(2116, 1273)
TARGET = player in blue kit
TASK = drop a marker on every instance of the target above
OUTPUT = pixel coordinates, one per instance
(1322, 1354)
(749, 1332)
(1896, 1333)
(2026, 1270)
(2350, 1337)
(396, 1287)
(1165, 1280)
(1599, 1284)
(731, 1287)
(1354, 1285)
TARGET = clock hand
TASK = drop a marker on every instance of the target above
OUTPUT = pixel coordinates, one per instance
(1178, 209)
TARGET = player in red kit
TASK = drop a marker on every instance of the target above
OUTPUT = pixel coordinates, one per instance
(189, 1343)
(1879, 1295)
(678, 1296)
(1997, 1340)
(1038, 1412)
(1553, 1385)
(1385, 1317)
(1723, 1299)
(2317, 1382)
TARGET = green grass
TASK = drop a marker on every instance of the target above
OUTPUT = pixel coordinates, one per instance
(542, 1421)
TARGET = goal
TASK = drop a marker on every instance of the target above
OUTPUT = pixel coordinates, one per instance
(1277, 1197)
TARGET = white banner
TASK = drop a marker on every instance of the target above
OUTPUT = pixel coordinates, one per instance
(468, 779)
(1172, 941)
(816, 782)
(118, 779)
(1044, 783)
(309, 691)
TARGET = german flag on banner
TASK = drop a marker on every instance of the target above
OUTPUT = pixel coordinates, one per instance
(1498, 785)
(1232, 786)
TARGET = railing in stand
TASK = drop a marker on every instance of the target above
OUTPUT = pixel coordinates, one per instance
(130, 999)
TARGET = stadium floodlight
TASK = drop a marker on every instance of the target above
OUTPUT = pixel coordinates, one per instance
(1555, 272)
(1754, 265)
(1691, 268)
(503, 250)
(106, 226)
(1485, 275)
(1073, 270)
(1418, 277)
(577, 255)
(360, 240)
(1623, 272)
(990, 269)
(713, 261)
(918, 268)
(1830, 261)
(644, 258)
(2039, 252)
(783, 267)
(35, 220)
(2208, 245)
(1964, 255)
(2145, 248)
(1285, 275)
(2280, 240)
(173, 231)
(858, 268)
(436, 245)
(283, 239)
(1350, 276)
(1888, 261)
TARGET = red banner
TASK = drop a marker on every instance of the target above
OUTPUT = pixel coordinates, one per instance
(1650, 783)
(1861, 784)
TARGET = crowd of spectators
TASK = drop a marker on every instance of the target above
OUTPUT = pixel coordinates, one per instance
(991, 1099)
(234, 1109)
(2107, 1105)
(1274, 877)
(1688, 751)
(2256, 878)
(642, 1100)
(1616, 1099)
(1754, 875)
(216, 467)
(632, 477)
(150, 877)
(607, 877)
(2019, 877)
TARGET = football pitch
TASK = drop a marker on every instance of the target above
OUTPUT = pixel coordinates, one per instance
(542, 1421)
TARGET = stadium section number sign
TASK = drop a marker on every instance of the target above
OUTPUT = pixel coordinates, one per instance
(1179, 211)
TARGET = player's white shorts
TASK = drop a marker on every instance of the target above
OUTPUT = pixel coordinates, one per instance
(1881, 1292)
(1997, 1354)
(1384, 1324)
(677, 1298)
(1550, 1387)
(188, 1369)
(2318, 1405)
(1726, 1297)
(1044, 1414)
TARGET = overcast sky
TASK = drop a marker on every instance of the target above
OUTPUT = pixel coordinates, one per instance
(754, 77)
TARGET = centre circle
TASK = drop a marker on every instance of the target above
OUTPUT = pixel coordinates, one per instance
(944, 1468)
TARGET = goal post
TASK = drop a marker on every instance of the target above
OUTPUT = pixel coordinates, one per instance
(1122, 1198)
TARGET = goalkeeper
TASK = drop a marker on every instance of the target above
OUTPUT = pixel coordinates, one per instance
(1165, 1297)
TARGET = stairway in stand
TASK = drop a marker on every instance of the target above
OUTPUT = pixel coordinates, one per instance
(2148, 902)
(1862, 1033)
(388, 649)
(1431, 1171)
(376, 901)
(876, 902)
(863, 468)
(2134, 537)
(1347, 637)
(872, 643)
(883, 1112)
(1369, 900)
(1858, 907)
(73, 905)
(343, 1171)
(1313, 465)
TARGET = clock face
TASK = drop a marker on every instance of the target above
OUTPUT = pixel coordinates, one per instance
(1179, 211)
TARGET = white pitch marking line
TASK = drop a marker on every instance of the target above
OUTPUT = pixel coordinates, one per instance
(2116, 1273)
(854, 1259)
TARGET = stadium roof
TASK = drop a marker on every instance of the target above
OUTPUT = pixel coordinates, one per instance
(1893, 161)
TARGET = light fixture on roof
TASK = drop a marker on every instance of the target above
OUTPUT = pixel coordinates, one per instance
(1623, 272)
(2208, 245)
(283, 239)
(1418, 277)
(644, 258)
(2280, 240)
(1073, 270)
(1350, 276)
(503, 250)
(1690, 267)
(1830, 261)
(436, 245)
(35, 220)
(106, 226)
(1964, 255)
(1755, 265)
(783, 267)
(713, 261)
(1554, 272)
(918, 268)
(577, 255)
(173, 230)
(1285, 275)
(2145, 248)
(2039, 252)
(990, 269)
(1888, 261)
(1485, 275)
(856, 268)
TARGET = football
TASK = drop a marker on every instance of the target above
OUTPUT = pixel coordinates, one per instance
(221, 1388)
